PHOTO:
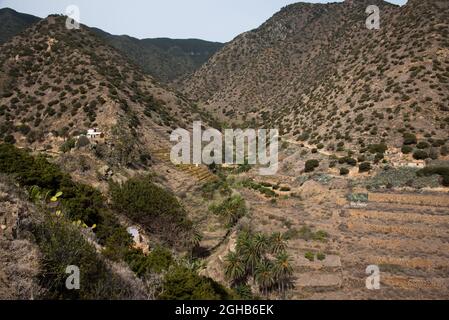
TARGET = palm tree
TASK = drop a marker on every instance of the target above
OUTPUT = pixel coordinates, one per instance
(283, 271)
(234, 267)
(231, 210)
(244, 292)
(243, 238)
(264, 276)
(278, 243)
(195, 238)
(250, 254)
(261, 242)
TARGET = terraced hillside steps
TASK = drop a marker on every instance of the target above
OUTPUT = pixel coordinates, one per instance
(406, 235)
(200, 173)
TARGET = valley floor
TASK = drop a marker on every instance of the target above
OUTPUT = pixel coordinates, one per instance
(403, 232)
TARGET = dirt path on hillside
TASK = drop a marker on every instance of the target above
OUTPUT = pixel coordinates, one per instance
(310, 147)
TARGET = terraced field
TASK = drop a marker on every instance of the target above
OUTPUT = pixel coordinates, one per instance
(184, 181)
(405, 234)
(332, 240)
(199, 173)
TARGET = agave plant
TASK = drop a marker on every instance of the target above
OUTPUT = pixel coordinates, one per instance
(35, 193)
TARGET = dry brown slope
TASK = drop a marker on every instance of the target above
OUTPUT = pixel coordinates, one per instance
(57, 83)
(315, 70)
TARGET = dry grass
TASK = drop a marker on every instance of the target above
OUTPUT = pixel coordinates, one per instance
(415, 199)
(398, 217)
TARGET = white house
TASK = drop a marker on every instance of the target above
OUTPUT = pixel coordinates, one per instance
(93, 133)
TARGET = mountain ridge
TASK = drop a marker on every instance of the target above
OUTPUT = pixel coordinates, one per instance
(13, 22)
(56, 84)
(163, 58)
(318, 74)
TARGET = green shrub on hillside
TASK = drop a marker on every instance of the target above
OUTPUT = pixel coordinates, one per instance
(377, 148)
(406, 149)
(62, 245)
(157, 261)
(409, 139)
(151, 206)
(230, 210)
(181, 283)
(208, 189)
(402, 177)
(311, 165)
(444, 151)
(420, 155)
(442, 171)
(141, 199)
(364, 167)
(422, 145)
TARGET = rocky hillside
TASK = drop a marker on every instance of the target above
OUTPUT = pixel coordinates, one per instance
(55, 84)
(163, 58)
(316, 72)
(13, 22)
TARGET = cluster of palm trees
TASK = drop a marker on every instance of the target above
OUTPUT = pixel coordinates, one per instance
(262, 258)
(230, 210)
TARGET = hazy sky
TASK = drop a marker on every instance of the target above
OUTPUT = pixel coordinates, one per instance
(214, 20)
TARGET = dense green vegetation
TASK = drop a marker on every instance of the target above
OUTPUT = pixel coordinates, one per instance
(182, 283)
(158, 261)
(71, 207)
(153, 207)
(80, 202)
(62, 245)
